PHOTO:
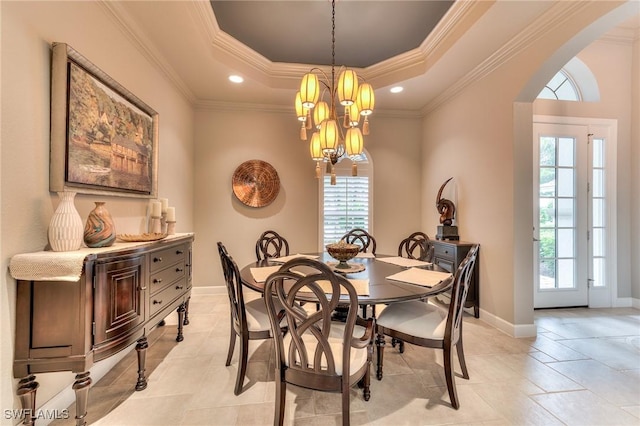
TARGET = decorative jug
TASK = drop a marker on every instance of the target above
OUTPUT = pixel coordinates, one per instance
(99, 230)
(65, 228)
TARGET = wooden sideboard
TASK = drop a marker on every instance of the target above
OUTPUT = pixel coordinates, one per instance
(448, 255)
(121, 294)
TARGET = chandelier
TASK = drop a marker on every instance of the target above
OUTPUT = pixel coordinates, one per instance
(334, 136)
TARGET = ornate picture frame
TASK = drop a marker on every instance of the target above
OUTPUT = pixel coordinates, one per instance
(104, 140)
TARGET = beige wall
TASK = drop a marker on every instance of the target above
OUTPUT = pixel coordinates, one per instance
(474, 138)
(227, 138)
(28, 28)
(635, 173)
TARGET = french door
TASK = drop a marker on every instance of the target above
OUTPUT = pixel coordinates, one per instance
(572, 228)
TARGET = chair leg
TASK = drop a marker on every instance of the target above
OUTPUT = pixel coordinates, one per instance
(345, 401)
(449, 375)
(380, 350)
(232, 344)
(281, 392)
(463, 363)
(242, 364)
(366, 392)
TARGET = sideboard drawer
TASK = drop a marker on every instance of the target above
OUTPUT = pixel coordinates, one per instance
(449, 255)
(161, 279)
(444, 252)
(162, 299)
(162, 258)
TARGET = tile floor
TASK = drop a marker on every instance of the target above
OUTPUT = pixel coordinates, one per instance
(583, 368)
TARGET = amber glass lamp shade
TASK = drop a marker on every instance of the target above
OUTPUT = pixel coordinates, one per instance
(353, 142)
(320, 113)
(301, 112)
(329, 136)
(366, 99)
(309, 90)
(353, 113)
(347, 87)
(314, 147)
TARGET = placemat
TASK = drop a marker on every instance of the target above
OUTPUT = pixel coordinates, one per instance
(419, 276)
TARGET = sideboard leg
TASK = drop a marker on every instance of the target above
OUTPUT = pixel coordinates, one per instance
(27, 388)
(181, 311)
(141, 348)
(186, 312)
(81, 387)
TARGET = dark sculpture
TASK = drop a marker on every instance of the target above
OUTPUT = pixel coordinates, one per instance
(445, 207)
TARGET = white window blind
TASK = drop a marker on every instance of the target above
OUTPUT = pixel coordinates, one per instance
(346, 206)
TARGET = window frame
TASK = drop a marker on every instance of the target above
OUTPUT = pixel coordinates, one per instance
(343, 168)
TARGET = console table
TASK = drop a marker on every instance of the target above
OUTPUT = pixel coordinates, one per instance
(448, 255)
(75, 308)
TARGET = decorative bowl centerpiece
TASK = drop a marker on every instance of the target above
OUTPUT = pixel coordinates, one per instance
(342, 252)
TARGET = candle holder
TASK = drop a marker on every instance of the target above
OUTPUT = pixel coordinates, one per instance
(156, 226)
(171, 227)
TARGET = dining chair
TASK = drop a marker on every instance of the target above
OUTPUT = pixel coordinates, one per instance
(428, 325)
(249, 321)
(317, 352)
(362, 238)
(271, 244)
(417, 246)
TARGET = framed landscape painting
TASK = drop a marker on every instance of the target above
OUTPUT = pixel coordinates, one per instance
(104, 140)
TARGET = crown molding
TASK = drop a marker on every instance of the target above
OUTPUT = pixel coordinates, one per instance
(553, 17)
(129, 28)
(456, 21)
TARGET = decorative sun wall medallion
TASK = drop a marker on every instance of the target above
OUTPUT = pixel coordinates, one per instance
(255, 183)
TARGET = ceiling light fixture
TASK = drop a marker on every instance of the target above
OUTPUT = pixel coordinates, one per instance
(329, 142)
(236, 79)
(396, 89)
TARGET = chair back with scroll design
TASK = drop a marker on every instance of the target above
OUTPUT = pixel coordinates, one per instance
(428, 325)
(317, 352)
(248, 320)
(271, 244)
(362, 238)
(417, 246)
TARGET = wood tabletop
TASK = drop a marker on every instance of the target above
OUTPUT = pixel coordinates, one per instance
(381, 289)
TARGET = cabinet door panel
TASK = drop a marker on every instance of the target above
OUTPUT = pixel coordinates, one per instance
(119, 293)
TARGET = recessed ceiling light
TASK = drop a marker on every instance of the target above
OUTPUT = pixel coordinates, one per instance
(396, 89)
(236, 79)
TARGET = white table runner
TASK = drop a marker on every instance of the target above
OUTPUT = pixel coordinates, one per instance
(62, 265)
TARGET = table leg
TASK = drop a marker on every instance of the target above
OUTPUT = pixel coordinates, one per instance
(27, 388)
(380, 342)
(141, 348)
(81, 388)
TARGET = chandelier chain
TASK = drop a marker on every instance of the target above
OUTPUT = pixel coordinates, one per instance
(333, 54)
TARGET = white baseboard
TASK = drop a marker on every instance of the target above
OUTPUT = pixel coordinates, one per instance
(213, 289)
(513, 330)
(635, 303)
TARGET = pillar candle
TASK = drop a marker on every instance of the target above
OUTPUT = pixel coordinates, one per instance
(156, 209)
(165, 203)
(171, 214)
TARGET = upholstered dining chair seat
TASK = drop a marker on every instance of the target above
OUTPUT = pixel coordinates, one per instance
(357, 359)
(257, 317)
(415, 318)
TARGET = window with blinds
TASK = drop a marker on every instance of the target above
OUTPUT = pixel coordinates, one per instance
(346, 204)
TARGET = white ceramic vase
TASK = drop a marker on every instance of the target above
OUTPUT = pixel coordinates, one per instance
(66, 228)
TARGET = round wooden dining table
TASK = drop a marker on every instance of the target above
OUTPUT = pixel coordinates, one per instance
(381, 289)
